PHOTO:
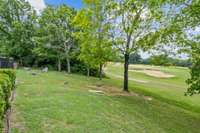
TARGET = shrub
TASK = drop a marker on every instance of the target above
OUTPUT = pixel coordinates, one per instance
(135, 58)
(7, 84)
(11, 74)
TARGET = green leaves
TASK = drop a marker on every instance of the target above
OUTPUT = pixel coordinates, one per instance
(137, 23)
(194, 81)
(93, 36)
(184, 34)
(17, 27)
(55, 29)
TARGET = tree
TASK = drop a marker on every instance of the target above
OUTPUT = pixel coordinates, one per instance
(160, 60)
(56, 34)
(135, 27)
(184, 33)
(190, 21)
(194, 81)
(82, 22)
(17, 28)
(96, 47)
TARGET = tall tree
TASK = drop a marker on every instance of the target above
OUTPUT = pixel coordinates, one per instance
(136, 27)
(56, 34)
(17, 28)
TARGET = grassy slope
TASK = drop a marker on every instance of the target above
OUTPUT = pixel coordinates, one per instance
(171, 90)
(44, 104)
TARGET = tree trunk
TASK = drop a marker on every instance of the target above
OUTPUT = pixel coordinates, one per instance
(126, 64)
(59, 65)
(20, 62)
(100, 71)
(68, 66)
(88, 71)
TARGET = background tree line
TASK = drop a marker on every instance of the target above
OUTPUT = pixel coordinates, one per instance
(83, 41)
(159, 60)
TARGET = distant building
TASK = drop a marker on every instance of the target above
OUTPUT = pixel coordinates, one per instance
(6, 62)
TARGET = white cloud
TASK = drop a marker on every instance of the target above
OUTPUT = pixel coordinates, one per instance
(39, 5)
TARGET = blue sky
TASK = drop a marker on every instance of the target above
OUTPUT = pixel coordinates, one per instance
(73, 3)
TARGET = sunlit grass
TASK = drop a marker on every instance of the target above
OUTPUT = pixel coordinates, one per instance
(60, 103)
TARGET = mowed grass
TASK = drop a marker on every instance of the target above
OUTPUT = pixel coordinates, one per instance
(170, 90)
(56, 102)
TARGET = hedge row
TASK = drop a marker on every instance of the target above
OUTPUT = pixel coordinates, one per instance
(7, 84)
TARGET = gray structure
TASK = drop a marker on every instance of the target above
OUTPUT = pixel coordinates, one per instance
(6, 62)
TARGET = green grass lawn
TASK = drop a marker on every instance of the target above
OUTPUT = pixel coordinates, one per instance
(170, 90)
(56, 102)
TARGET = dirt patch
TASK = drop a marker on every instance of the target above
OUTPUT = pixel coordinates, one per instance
(110, 90)
(113, 91)
(155, 73)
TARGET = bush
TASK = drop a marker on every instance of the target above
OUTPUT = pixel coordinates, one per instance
(12, 76)
(165, 60)
(7, 84)
(79, 67)
(135, 58)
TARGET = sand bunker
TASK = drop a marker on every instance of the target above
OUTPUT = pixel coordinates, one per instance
(144, 67)
(155, 73)
(109, 90)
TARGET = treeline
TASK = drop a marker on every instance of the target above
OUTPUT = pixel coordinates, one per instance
(158, 60)
(164, 60)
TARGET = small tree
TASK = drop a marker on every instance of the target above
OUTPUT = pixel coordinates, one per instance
(86, 55)
(135, 28)
(83, 24)
(96, 47)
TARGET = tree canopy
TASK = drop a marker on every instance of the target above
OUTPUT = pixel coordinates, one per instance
(96, 46)
(17, 28)
(55, 34)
